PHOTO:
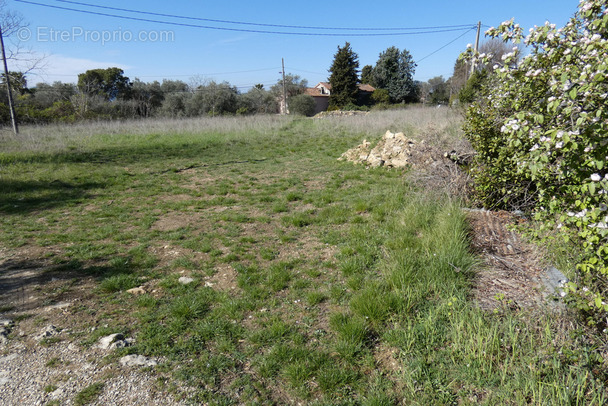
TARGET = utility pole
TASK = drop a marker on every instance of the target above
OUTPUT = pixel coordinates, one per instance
(11, 105)
(476, 49)
(285, 111)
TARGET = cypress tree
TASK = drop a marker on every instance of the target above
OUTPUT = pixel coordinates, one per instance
(344, 77)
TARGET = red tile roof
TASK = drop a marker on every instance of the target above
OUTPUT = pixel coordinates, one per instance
(366, 88)
(315, 92)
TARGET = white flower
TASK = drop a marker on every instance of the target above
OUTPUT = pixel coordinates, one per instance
(596, 177)
(534, 147)
(581, 214)
(559, 144)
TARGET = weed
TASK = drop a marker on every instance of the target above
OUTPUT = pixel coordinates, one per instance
(50, 388)
(117, 283)
(88, 394)
(53, 362)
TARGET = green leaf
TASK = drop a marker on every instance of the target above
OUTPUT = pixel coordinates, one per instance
(598, 302)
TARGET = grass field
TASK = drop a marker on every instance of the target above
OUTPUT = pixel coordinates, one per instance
(315, 281)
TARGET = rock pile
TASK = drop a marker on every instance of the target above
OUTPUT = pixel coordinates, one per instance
(340, 113)
(393, 151)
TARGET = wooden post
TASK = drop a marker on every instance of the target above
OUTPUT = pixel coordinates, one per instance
(285, 109)
(11, 105)
(476, 49)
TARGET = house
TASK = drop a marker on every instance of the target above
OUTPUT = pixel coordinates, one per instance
(320, 93)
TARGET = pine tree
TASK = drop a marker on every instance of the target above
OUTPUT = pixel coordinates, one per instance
(344, 77)
(394, 72)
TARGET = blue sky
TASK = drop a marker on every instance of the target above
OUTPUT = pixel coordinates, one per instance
(73, 42)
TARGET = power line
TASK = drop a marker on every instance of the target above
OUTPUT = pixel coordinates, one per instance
(262, 24)
(449, 43)
(172, 23)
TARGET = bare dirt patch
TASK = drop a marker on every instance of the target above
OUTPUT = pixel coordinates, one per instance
(225, 279)
(173, 221)
(512, 268)
(29, 281)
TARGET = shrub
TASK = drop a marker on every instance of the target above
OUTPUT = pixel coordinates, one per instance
(470, 91)
(541, 135)
(302, 104)
(380, 96)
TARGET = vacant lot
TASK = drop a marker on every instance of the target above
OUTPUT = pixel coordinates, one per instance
(269, 272)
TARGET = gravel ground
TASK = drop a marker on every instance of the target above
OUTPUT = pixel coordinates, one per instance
(33, 372)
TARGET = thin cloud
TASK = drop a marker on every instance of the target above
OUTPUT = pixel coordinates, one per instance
(66, 69)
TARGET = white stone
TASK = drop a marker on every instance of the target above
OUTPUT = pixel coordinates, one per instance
(107, 341)
(137, 360)
(184, 280)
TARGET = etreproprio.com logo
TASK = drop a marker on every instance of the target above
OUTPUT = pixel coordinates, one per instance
(79, 34)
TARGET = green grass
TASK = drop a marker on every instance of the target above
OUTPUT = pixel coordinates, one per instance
(88, 394)
(316, 281)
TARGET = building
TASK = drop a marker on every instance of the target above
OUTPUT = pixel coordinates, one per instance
(320, 93)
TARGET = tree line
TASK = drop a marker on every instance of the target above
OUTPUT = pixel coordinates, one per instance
(109, 94)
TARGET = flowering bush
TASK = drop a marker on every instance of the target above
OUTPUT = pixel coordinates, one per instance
(541, 132)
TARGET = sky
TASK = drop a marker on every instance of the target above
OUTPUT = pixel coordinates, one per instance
(188, 49)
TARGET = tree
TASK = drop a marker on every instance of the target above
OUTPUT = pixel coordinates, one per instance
(213, 99)
(109, 83)
(257, 100)
(46, 95)
(18, 82)
(491, 54)
(302, 104)
(380, 96)
(11, 23)
(460, 75)
(344, 77)
(367, 75)
(394, 72)
(147, 97)
(174, 104)
(294, 85)
(173, 86)
(437, 91)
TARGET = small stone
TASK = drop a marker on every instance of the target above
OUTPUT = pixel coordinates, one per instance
(49, 331)
(209, 284)
(185, 280)
(6, 323)
(127, 342)
(107, 341)
(4, 377)
(136, 291)
(137, 361)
